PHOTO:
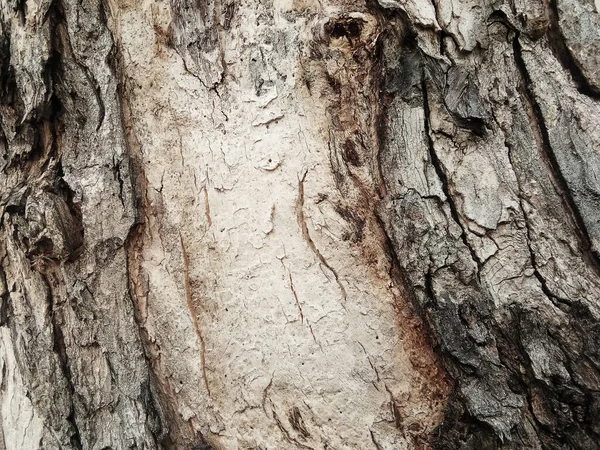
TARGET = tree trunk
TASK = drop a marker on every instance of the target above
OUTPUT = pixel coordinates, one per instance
(286, 224)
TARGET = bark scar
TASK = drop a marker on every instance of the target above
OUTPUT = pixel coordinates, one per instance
(191, 309)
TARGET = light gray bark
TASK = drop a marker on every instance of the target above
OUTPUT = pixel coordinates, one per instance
(289, 224)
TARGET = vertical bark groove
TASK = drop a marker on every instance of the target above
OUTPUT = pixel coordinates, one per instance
(563, 54)
(537, 120)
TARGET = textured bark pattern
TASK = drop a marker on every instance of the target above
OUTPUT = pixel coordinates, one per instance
(74, 372)
(289, 224)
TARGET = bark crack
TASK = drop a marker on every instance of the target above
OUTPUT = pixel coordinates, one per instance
(395, 409)
(265, 395)
(306, 234)
(119, 177)
(207, 206)
(375, 443)
(544, 286)
(296, 297)
(88, 74)
(436, 163)
(287, 434)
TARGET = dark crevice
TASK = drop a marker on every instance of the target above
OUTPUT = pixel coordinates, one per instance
(443, 33)
(61, 351)
(561, 185)
(97, 93)
(562, 53)
(5, 306)
(347, 27)
(43, 161)
(21, 8)
(375, 443)
(75, 437)
(155, 415)
(119, 178)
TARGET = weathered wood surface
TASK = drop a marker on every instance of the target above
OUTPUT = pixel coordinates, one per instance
(271, 224)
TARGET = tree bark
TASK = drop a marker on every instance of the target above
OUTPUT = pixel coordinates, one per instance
(274, 224)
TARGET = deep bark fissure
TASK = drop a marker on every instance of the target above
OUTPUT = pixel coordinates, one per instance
(5, 306)
(56, 18)
(563, 54)
(561, 185)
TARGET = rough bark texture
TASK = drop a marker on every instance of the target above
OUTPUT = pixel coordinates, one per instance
(269, 224)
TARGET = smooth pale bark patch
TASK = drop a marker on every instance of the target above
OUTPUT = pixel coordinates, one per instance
(286, 325)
